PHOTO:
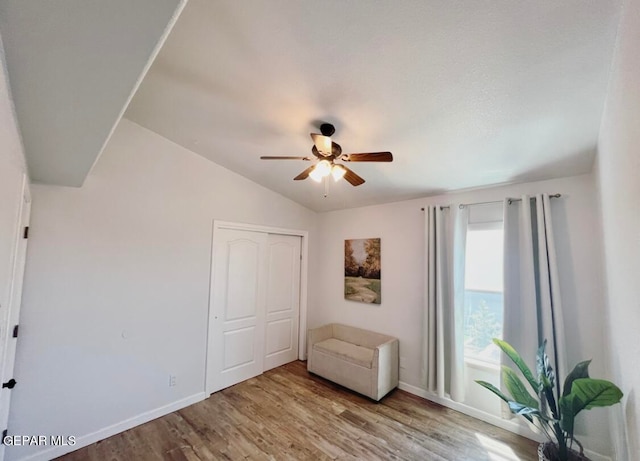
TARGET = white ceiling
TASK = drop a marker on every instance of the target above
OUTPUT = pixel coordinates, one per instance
(465, 93)
(73, 65)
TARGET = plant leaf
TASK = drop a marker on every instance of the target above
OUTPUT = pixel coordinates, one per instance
(586, 393)
(567, 413)
(517, 388)
(547, 378)
(499, 393)
(494, 389)
(519, 409)
(544, 368)
(520, 363)
(526, 412)
(596, 392)
(581, 370)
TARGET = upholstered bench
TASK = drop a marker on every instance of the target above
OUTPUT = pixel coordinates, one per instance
(361, 360)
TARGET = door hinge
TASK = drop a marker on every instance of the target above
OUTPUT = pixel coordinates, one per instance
(15, 331)
(10, 384)
(4, 434)
(26, 232)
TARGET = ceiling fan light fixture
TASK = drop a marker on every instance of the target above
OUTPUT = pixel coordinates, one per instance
(327, 152)
(326, 145)
(322, 170)
(315, 176)
(338, 172)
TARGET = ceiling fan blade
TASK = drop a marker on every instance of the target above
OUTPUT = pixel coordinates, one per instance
(322, 143)
(353, 178)
(304, 174)
(272, 157)
(368, 157)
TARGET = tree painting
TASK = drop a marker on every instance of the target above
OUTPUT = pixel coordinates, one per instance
(362, 270)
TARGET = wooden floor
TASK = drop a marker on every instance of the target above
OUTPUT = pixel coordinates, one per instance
(289, 414)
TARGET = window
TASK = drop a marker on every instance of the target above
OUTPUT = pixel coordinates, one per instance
(483, 310)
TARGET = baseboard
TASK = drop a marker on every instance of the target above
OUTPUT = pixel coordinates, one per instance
(114, 429)
(593, 456)
(511, 426)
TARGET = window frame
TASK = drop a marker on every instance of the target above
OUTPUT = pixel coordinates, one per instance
(471, 360)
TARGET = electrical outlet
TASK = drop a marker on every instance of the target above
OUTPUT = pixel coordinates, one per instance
(403, 362)
(172, 380)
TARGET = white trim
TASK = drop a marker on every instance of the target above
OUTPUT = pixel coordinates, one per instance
(485, 226)
(482, 365)
(593, 456)
(304, 277)
(509, 425)
(217, 224)
(114, 429)
(304, 270)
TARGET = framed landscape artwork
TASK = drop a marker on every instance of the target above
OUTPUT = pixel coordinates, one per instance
(362, 271)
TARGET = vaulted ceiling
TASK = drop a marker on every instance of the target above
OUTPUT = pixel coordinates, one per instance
(465, 94)
(73, 66)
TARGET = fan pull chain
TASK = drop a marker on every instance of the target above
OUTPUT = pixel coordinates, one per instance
(326, 186)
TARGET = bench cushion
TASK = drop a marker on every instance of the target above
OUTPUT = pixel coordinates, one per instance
(346, 351)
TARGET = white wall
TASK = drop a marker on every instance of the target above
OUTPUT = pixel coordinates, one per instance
(618, 173)
(117, 284)
(400, 225)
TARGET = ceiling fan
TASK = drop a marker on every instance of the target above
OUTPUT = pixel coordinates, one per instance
(328, 153)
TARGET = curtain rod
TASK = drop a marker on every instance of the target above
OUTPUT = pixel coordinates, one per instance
(509, 201)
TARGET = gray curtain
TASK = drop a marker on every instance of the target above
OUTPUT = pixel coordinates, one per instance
(443, 335)
(532, 304)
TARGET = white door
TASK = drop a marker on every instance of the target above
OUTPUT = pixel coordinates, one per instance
(7, 339)
(255, 304)
(283, 300)
(237, 318)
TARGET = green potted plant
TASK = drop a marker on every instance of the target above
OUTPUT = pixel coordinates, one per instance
(552, 413)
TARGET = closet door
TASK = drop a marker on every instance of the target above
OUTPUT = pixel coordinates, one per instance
(237, 316)
(283, 300)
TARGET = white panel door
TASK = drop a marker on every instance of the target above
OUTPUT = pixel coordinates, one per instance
(283, 300)
(7, 340)
(237, 320)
